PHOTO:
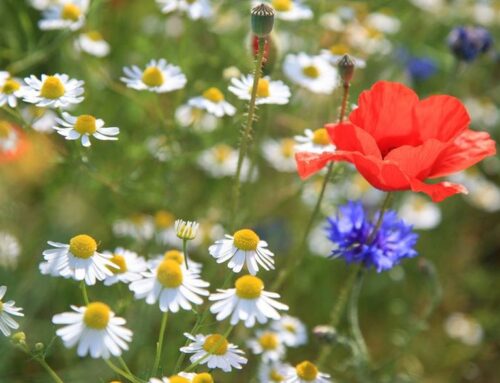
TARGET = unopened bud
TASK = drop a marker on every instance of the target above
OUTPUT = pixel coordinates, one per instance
(346, 68)
(39, 346)
(262, 20)
(326, 334)
(19, 337)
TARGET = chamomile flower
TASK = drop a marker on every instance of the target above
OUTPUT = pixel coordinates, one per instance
(244, 247)
(172, 285)
(68, 14)
(291, 10)
(159, 76)
(42, 4)
(247, 302)
(212, 100)
(215, 351)
(10, 90)
(311, 72)
(280, 154)
(187, 115)
(140, 227)
(221, 161)
(42, 120)
(317, 141)
(185, 377)
(92, 43)
(268, 92)
(10, 139)
(95, 329)
(7, 309)
(9, 250)
(291, 331)
(129, 267)
(57, 91)
(195, 9)
(420, 213)
(84, 126)
(269, 345)
(306, 372)
(274, 372)
(78, 260)
(164, 225)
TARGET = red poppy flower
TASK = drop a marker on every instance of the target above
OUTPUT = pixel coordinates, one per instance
(397, 142)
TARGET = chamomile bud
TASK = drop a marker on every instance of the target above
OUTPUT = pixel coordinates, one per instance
(186, 230)
(262, 20)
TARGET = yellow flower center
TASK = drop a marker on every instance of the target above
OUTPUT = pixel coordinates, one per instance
(169, 274)
(213, 94)
(71, 12)
(275, 376)
(94, 36)
(82, 246)
(118, 260)
(311, 71)
(216, 344)
(191, 1)
(269, 341)
(164, 219)
(97, 315)
(178, 379)
(246, 239)
(290, 327)
(307, 371)
(5, 129)
(204, 377)
(152, 76)
(52, 88)
(287, 147)
(249, 287)
(10, 86)
(339, 49)
(282, 5)
(174, 255)
(85, 124)
(222, 153)
(321, 137)
(263, 88)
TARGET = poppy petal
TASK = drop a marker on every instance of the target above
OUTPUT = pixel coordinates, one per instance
(309, 163)
(348, 137)
(438, 192)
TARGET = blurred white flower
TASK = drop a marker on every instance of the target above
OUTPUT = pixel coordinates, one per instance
(11, 89)
(195, 9)
(268, 345)
(432, 6)
(57, 91)
(483, 111)
(92, 43)
(84, 126)
(221, 161)
(420, 212)
(318, 243)
(291, 331)
(274, 372)
(66, 14)
(317, 141)
(306, 372)
(140, 227)
(290, 10)
(311, 72)
(333, 56)
(464, 328)
(383, 22)
(213, 101)
(280, 154)
(268, 92)
(9, 137)
(129, 266)
(199, 118)
(159, 76)
(10, 249)
(42, 120)
(483, 194)
(7, 309)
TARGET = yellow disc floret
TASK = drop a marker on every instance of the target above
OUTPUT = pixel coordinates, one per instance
(10, 86)
(152, 76)
(204, 377)
(246, 239)
(321, 137)
(169, 274)
(269, 341)
(275, 376)
(282, 5)
(178, 379)
(5, 129)
(216, 344)
(213, 94)
(52, 88)
(290, 328)
(311, 71)
(306, 371)
(97, 315)
(263, 88)
(82, 246)
(118, 260)
(249, 287)
(85, 124)
(164, 219)
(174, 255)
(94, 36)
(222, 153)
(288, 147)
(71, 12)
(339, 49)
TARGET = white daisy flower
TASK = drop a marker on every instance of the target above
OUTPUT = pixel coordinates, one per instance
(84, 126)
(215, 351)
(212, 100)
(140, 227)
(291, 330)
(275, 372)
(67, 14)
(420, 213)
(43, 4)
(195, 9)
(280, 154)
(306, 372)
(159, 76)
(187, 115)
(130, 266)
(335, 54)
(10, 89)
(179, 257)
(9, 137)
(311, 72)
(57, 91)
(291, 10)
(164, 222)
(172, 285)
(6, 310)
(186, 230)
(268, 92)
(92, 43)
(244, 247)
(10, 249)
(42, 120)
(221, 161)
(269, 345)
(78, 260)
(96, 330)
(383, 23)
(247, 302)
(317, 141)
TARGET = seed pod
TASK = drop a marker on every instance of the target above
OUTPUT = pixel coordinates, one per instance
(262, 20)
(346, 68)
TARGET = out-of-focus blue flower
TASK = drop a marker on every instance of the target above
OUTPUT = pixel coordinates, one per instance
(467, 43)
(421, 68)
(351, 229)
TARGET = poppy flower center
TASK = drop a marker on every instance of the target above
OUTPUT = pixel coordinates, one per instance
(282, 5)
(287, 147)
(94, 36)
(222, 153)
(119, 260)
(52, 88)
(204, 377)
(269, 341)
(263, 88)
(307, 371)
(216, 344)
(311, 71)
(152, 76)
(97, 315)
(71, 12)
(85, 124)
(169, 274)
(178, 379)
(174, 255)
(275, 376)
(164, 219)
(249, 287)
(246, 239)
(5, 129)
(339, 49)
(10, 86)
(82, 246)
(321, 137)
(213, 94)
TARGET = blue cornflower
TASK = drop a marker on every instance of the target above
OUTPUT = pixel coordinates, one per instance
(351, 229)
(421, 68)
(467, 43)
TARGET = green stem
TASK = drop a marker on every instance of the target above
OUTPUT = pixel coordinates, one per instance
(184, 250)
(84, 292)
(211, 351)
(124, 365)
(159, 344)
(357, 335)
(121, 372)
(49, 370)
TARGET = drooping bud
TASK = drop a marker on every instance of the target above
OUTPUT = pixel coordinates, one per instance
(262, 20)
(346, 68)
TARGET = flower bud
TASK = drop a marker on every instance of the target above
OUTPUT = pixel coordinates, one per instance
(39, 346)
(346, 69)
(186, 230)
(18, 338)
(262, 20)
(326, 334)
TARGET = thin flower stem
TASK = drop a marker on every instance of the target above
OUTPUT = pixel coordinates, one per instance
(121, 372)
(184, 250)
(84, 292)
(159, 344)
(49, 370)
(357, 335)
(124, 365)
(246, 133)
(194, 330)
